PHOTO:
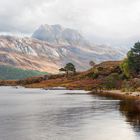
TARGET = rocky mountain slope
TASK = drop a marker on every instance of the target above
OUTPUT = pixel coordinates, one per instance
(27, 53)
(56, 34)
(51, 47)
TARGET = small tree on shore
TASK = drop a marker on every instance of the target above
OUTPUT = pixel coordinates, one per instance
(68, 68)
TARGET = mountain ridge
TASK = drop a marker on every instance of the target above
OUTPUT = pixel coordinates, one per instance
(56, 34)
(42, 55)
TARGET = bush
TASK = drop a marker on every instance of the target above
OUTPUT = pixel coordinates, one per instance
(100, 68)
(112, 81)
(131, 85)
(123, 76)
(93, 75)
(125, 68)
(138, 89)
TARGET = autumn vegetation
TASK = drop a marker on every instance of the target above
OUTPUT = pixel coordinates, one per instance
(121, 75)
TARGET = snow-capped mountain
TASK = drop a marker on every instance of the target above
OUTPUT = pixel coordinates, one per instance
(33, 54)
(51, 47)
(56, 34)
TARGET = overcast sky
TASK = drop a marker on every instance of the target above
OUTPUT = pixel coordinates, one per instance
(108, 21)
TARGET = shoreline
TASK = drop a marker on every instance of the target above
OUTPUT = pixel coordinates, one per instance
(118, 94)
(115, 94)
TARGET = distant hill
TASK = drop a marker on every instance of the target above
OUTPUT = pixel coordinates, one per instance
(11, 73)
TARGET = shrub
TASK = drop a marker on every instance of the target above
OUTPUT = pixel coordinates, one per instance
(100, 68)
(123, 76)
(138, 89)
(131, 85)
(125, 68)
(112, 81)
(93, 75)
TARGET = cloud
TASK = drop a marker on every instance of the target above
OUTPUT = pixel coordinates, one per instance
(111, 19)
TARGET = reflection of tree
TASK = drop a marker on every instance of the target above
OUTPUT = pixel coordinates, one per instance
(131, 110)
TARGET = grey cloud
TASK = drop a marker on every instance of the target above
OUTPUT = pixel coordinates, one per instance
(111, 19)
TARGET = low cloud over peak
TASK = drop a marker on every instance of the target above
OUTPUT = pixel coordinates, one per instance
(110, 19)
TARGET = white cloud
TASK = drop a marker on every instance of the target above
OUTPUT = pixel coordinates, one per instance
(111, 19)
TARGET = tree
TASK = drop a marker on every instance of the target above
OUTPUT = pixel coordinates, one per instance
(134, 59)
(131, 65)
(68, 68)
(92, 63)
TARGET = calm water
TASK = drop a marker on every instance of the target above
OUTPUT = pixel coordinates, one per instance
(29, 114)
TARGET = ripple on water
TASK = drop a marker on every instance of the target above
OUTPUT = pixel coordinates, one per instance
(35, 114)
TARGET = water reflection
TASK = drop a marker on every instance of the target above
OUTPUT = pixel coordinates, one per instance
(27, 114)
(131, 110)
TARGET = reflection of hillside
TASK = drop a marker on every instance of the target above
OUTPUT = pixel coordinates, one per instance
(131, 110)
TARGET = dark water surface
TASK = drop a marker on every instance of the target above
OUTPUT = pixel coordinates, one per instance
(33, 114)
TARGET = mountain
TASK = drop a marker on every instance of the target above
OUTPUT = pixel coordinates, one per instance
(28, 53)
(12, 73)
(51, 47)
(56, 34)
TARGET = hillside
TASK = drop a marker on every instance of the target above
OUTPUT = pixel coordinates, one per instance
(84, 80)
(105, 79)
(33, 54)
(11, 73)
